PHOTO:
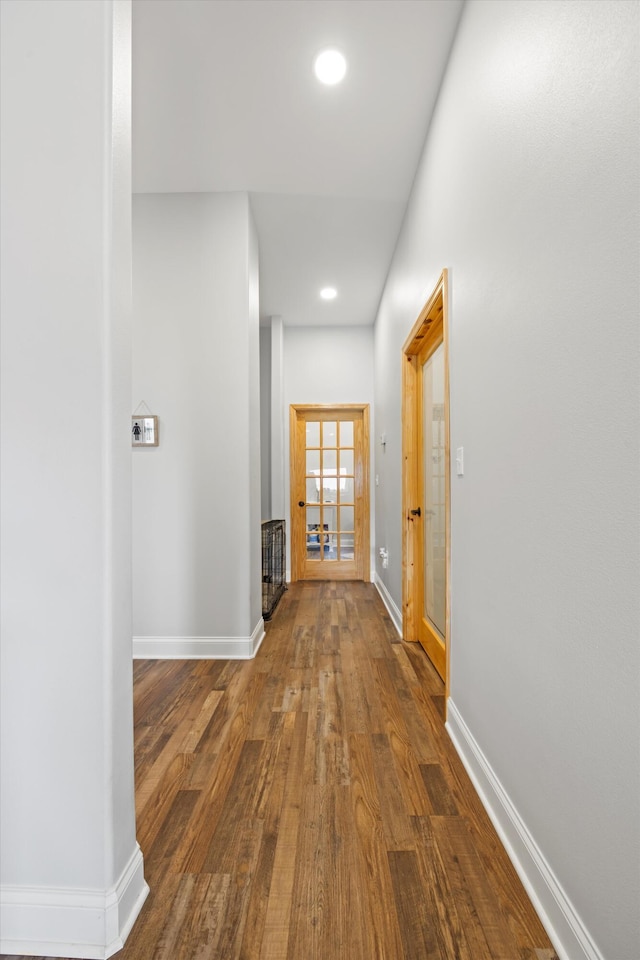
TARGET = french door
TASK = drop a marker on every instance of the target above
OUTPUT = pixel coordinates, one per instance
(329, 492)
(426, 481)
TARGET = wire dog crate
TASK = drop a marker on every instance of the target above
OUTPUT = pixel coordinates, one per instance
(273, 565)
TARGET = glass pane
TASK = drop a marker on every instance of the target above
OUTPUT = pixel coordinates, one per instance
(346, 461)
(346, 519)
(313, 517)
(329, 434)
(329, 462)
(313, 490)
(346, 490)
(314, 552)
(318, 542)
(313, 461)
(434, 490)
(313, 433)
(329, 517)
(329, 492)
(346, 549)
(346, 433)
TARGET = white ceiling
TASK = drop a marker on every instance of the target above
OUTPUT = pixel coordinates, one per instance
(224, 98)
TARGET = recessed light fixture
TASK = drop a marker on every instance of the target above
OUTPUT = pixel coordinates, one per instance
(330, 67)
(328, 293)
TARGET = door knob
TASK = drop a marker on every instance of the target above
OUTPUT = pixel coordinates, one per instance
(301, 503)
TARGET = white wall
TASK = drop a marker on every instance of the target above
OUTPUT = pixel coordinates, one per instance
(254, 571)
(528, 191)
(196, 528)
(72, 878)
(326, 365)
(265, 421)
(279, 508)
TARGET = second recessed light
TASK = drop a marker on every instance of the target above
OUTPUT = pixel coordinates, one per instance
(330, 67)
(328, 293)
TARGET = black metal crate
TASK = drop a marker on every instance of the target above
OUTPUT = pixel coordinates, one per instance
(273, 565)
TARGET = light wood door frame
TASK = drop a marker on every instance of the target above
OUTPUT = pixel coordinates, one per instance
(335, 569)
(429, 331)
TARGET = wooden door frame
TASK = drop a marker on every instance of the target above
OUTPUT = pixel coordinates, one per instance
(430, 329)
(364, 522)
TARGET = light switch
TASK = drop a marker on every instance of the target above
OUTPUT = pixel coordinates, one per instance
(460, 461)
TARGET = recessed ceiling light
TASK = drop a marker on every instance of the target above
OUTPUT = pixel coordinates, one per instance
(328, 293)
(330, 67)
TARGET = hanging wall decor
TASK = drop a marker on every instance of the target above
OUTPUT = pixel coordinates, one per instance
(144, 431)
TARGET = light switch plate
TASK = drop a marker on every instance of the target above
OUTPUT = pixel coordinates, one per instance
(460, 461)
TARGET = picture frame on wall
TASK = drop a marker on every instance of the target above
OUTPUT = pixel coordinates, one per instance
(144, 431)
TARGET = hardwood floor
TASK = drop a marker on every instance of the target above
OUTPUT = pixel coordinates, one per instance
(308, 804)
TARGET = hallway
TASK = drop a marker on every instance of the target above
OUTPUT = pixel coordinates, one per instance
(308, 804)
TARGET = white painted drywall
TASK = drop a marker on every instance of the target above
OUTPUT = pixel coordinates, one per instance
(528, 191)
(265, 421)
(277, 433)
(254, 572)
(67, 806)
(326, 365)
(196, 497)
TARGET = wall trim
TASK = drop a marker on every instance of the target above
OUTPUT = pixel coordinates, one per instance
(559, 917)
(63, 922)
(392, 609)
(199, 648)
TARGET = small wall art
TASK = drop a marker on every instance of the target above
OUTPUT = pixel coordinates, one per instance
(144, 431)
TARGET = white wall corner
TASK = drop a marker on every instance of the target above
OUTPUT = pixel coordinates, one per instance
(567, 930)
(278, 504)
(199, 648)
(392, 609)
(89, 924)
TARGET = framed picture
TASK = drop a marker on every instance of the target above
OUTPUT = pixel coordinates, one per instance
(144, 431)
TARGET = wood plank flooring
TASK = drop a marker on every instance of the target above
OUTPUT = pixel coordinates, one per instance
(308, 804)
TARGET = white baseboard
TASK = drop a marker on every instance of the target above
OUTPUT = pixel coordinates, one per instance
(199, 648)
(91, 924)
(392, 609)
(560, 919)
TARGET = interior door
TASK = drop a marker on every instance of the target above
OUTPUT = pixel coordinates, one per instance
(330, 492)
(432, 584)
(426, 481)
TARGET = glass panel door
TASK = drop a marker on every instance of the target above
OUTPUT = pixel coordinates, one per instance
(426, 479)
(330, 490)
(434, 480)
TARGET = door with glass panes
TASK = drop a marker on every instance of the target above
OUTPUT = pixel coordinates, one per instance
(330, 492)
(426, 480)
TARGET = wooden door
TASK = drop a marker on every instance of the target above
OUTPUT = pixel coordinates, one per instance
(426, 481)
(329, 492)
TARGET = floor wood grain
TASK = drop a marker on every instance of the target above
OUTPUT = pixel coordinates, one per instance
(309, 805)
